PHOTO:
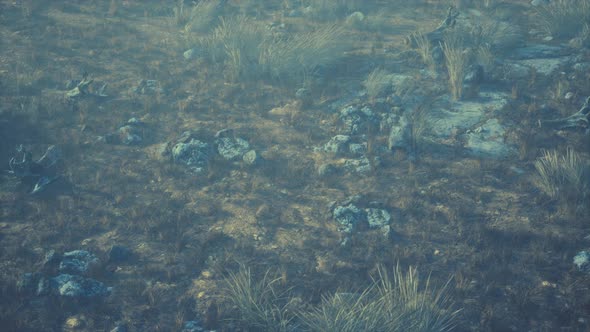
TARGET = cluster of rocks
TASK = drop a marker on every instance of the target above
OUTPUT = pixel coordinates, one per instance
(353, 215)
(196, 151)
(351, 145)
(71, 280)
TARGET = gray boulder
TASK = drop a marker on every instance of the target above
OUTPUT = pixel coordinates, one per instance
(195, 154)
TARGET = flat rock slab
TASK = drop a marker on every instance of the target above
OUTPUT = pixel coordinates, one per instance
(488, 140)
(447, 118)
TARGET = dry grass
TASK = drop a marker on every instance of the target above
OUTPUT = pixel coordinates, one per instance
(562, 176)
(457, 61)
(398, 303)
(563, 18)
(377, 83)
(260, 307)
(300, 56)
(424, 49)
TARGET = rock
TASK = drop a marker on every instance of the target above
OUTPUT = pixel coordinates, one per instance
(131, 133)
(488, 140)
(148, 87)
(51, 260)
(582, 261)
(357, 149)
(348, 217)
(400, 135)
(33, 283)
(327, 170)
(355, 19)
(193, 326)
(357, 121)
(304, 96)
(76, 286)
(446, 118)
(251, 158)
(377, 218)
(337, 145)
(77, 262)
(232, 148)
(361, 166)
(194, 154)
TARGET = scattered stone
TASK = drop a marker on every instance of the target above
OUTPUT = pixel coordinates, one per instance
(361, 166)
(357, 120)
(131, 133)
(582, 261)
(194, 154)
(77, 286)
(193, 326)
(348, 217)
(77, 262)
(400, 135)
(148, 87)
(251, 158)
(377, 218)
(82, 89)
(230, 148)
(337, 145)
(357, 149)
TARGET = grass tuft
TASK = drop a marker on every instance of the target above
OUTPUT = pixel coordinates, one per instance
(377, 83)
(457, 61)
(562, 176)
(260, 307)
(400, 304)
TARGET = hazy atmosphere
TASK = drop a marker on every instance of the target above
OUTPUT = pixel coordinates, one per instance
(295, 165)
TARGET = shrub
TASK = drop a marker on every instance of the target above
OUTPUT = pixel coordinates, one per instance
(562, 176)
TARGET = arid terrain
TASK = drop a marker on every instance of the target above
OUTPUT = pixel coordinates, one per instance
(290, 165)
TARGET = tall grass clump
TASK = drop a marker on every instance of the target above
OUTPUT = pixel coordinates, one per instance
(400, 303)
(202, 16)
(562, 176)
(258, 304)
(424, 48)
(299, 56)
(248, 50)
(563, 18)
(456, 61)
(236, 44)
(377, 83)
